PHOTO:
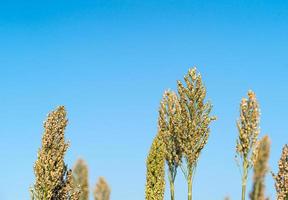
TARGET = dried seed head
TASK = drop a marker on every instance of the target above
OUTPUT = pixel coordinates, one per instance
(80, 177)
(69, 191)
(248, 126)
(155, 177)
(53, 179)
(195, 116)
(281, 179)
(102, 190)
(169, 127)
(260, 169)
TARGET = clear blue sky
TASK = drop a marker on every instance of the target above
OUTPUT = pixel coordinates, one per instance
(109, 62)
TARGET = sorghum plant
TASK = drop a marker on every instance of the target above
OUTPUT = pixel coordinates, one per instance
(53, 180)
(169, 127)
(102, 190)
(260, 169)
(195, 121)
(155, 175)
(248, 127)
(80, 177)
(281, 178)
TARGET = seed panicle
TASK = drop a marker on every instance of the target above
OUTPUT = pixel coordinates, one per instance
(53, 178)
(80, 177)
(102, 190)
(155, 175)
(260, 169)
(195, 116)
(281, 179)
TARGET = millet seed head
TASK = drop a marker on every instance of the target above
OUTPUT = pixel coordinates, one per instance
(248, 126)
(102, 190)
(80, 177)
(260, 169)
(155, 175)
(169, 123)
(53, 179)
(195, 116)
(281, 179)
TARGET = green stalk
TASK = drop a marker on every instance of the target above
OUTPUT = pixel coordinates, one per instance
(244, 178)
(172, 190)
(190, 173)
(243, 191)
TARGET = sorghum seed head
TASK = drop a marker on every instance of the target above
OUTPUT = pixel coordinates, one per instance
(195, 116)
(155, 176)
(260, 169)
(248, 126)
(102, 190)
(169, 127)
(281, 179)
(80, 177)
(53, 179)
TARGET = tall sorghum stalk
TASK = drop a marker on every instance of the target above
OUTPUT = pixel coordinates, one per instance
(195, 122)
(80, 177)
(53, 180)
(102, 190)
(281, 179)
(155, 175)
(248, 127)
(169, 128)
(260, 169)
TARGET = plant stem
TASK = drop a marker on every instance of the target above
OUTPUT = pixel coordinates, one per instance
(190, 184)
(171, 180)
(244, 178)
(243, 191)
(172, 190)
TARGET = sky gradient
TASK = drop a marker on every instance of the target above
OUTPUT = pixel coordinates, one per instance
(109, 62)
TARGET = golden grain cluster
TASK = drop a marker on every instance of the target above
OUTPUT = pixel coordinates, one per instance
(80, 175)
(155, 183)
(282, 177)
(53, 179)
(248, 128)
(195, 122)
(169, 123)
(260, 169)
(102, 190)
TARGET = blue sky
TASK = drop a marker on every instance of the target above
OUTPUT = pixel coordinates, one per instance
(109, 62)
